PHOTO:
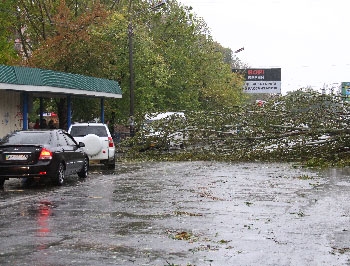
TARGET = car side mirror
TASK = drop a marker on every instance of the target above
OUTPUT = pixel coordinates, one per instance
(81, 144)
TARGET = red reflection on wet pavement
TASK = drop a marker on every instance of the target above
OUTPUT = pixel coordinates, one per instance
(44, 212)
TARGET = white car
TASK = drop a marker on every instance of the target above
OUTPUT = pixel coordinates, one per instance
(159, 135)
(99, 145)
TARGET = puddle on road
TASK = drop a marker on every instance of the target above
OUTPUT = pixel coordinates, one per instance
(187, 213)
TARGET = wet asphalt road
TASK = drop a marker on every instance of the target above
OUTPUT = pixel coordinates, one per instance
(182, 213)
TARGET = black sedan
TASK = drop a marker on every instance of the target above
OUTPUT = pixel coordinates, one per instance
(41, 154)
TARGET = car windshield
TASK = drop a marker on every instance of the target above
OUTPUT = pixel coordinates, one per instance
(26, 138)
(80, 131)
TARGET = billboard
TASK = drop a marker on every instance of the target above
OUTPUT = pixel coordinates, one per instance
(261, 80)
(345, 89)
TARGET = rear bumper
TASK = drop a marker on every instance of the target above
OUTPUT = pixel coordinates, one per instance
(25, 171)
(105, 155)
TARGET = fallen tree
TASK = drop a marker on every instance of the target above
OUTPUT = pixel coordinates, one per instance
(301, 126)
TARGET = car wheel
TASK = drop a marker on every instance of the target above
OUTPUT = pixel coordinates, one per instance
(111, 164)
(2, 182)
(28, 182)
(61, 174)
(84, 171)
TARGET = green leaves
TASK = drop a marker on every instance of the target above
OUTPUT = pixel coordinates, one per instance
(303, 126)
(177, 64)
(7, 25)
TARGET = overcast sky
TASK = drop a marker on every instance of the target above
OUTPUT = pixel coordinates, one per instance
(308, 39)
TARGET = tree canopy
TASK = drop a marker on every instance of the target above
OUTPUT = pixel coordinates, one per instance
(7, 29)
(177, 64)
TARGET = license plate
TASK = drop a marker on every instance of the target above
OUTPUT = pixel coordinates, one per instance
(16, 157)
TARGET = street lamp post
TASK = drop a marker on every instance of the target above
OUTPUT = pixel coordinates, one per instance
(131, 65)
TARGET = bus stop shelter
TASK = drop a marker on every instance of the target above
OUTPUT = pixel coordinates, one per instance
(19, 85)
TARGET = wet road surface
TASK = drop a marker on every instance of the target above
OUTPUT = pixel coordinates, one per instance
(181, 213)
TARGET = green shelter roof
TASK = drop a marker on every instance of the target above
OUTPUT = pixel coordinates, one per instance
(41, 80)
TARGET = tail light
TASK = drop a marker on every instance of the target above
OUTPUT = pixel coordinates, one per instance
(45, 154)
(110, 142)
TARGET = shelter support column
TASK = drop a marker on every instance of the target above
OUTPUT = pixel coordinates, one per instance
(25, 110)
(41, 111)
(102, 110)
(69, 111)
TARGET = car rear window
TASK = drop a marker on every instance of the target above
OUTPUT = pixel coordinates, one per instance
(80, 131)
(27, 138)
